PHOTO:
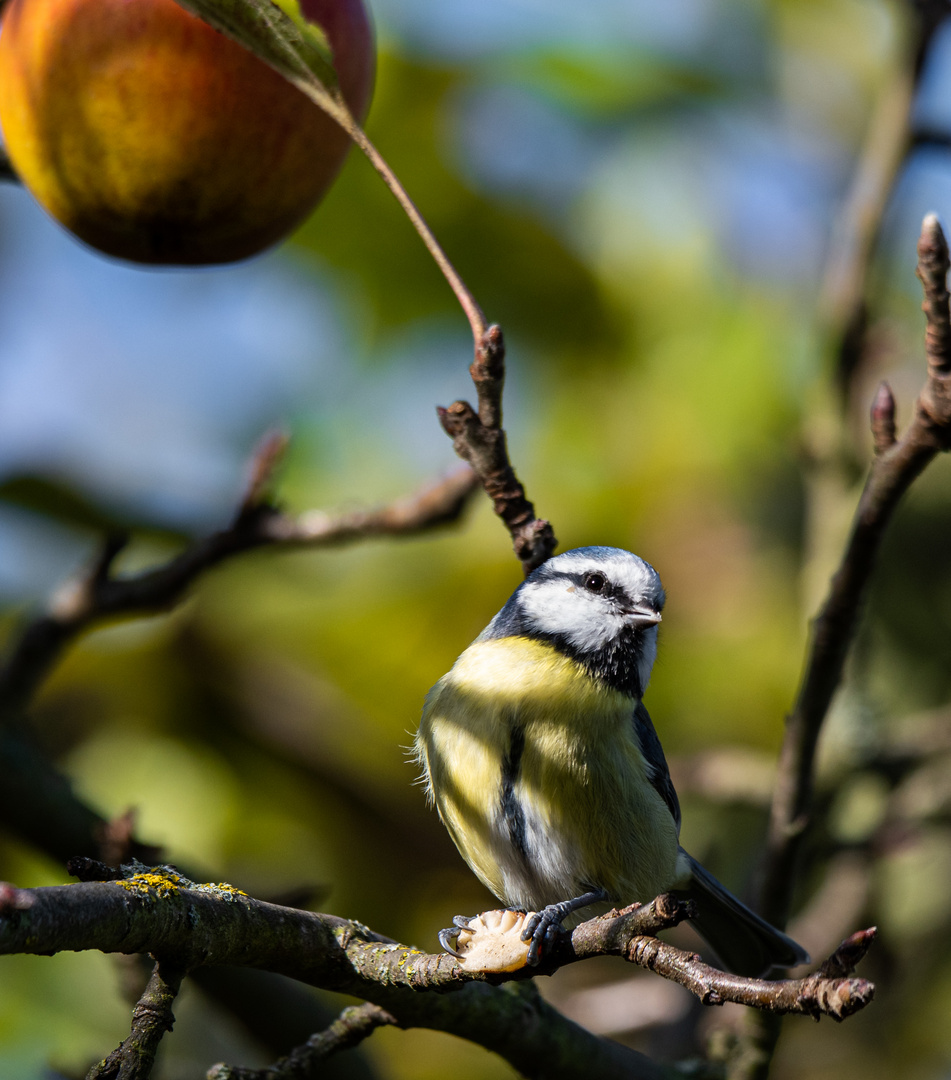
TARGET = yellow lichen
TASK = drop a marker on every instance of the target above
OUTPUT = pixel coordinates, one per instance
(163, 882)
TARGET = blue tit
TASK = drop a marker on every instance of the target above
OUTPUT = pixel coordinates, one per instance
(543, 763)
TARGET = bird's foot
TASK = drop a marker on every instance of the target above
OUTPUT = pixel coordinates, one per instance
(491, 941)
(543, 928)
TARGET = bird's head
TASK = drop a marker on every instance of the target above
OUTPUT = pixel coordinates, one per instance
(599, 605)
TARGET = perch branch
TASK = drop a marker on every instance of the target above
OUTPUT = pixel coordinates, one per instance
(157, 910)
(893, 470)
(152, 1017)
(350, 1028)
(478, 438)
(98, 595)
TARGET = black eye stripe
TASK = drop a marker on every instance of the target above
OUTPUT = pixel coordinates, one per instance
(595, 582)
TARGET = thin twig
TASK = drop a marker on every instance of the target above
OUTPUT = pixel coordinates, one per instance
(348, 1030)
(152, 1017)
(97, 595)
(890, 139)
(479, 439)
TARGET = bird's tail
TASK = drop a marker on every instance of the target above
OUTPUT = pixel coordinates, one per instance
(746, 944)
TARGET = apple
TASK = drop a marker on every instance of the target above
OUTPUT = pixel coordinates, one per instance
(156, 139)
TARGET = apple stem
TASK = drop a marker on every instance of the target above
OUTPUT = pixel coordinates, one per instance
(468, 302)
(337, 110)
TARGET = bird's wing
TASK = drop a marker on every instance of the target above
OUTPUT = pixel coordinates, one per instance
(657, 771)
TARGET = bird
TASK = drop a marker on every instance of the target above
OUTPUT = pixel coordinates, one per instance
(543, 763)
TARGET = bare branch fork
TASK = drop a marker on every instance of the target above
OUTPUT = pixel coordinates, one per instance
(187, 925)
(898, 462)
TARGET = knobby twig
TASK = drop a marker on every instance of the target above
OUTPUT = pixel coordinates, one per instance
(895, 467)
(631, 934)
(152, 1017)
(98, 595)
(479, 439)
(348, 1030)
(815, 995)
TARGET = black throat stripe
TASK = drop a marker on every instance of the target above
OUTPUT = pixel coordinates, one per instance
(511, 808)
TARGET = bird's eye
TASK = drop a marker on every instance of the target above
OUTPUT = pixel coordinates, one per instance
(595, 582)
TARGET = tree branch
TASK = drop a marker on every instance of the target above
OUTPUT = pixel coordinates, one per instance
(97, 595)
(479, 439)
(157, 910)
(348, 1030)
(842, 296)
(893, 470)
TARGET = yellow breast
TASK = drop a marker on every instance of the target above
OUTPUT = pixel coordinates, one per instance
(537, 772)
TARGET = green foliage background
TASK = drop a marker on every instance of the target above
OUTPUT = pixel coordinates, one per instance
(660, 397)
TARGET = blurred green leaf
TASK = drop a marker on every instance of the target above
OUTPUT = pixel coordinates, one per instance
(607, 84)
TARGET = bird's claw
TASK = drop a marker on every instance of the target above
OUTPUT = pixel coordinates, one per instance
(459, 922)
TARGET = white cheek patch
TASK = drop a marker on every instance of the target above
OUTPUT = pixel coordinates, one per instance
(586, 621)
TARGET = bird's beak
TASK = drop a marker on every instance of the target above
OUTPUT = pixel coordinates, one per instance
(642, 616)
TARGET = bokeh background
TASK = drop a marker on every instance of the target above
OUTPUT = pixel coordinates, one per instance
(645, 196)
